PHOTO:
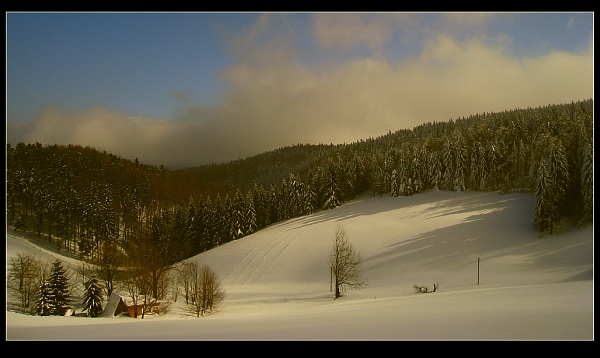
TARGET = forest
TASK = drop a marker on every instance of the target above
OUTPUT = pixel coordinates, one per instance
(106, 209)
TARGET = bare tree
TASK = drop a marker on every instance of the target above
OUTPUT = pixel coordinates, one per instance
(22, 279)
(187, 272)
(205, 289)
(211, 293)
(108, 268)
(144, 282)
(132, 285)
(345, 264)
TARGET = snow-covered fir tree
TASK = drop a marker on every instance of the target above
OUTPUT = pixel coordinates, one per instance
(330, 188)
(92, 298)
(60, 294)
(42, 305)
(543, 188)
(460, 162)
(239, 221)
(311, 199)
(587, 183)
(394, 183)
(558, 167)
(435, 170)
(250, 216)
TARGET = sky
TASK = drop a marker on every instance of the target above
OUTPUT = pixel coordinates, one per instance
(496, 278)
(186, 89)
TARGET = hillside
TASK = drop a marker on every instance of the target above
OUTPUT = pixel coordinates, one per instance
(278, 286)
(434, 236)
(81, 197)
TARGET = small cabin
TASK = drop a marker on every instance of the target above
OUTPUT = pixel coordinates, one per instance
(118, 305)
(131, 309)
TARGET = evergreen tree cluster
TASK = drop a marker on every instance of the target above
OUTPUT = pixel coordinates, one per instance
(55, 292)
(90, 201)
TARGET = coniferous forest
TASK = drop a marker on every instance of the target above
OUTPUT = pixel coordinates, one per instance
(107, 209)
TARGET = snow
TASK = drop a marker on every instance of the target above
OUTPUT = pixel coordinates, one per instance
(277, 280)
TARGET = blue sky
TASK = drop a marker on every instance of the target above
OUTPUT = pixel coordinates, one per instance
(184, 89)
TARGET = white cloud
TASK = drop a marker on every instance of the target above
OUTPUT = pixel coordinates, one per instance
(275, 100)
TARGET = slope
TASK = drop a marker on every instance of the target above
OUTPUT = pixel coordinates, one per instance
(421, 239)
(277, 280)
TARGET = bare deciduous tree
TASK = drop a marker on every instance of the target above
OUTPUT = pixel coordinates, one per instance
(345, 264)
(109, 267)
(23, 279)
(205, 289)
(186, 273)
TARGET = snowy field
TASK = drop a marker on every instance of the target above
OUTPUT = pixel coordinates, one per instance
(277, 281)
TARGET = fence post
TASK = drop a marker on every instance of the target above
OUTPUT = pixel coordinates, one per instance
(478, 271)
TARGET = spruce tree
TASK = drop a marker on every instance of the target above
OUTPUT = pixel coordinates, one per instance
(518, 162)
(59, 289)
(92, 299)
(586, 175)
(551, 181)
(559, 172)
(238, 211)
(493, 161)
(435, 170)
(482, 168)
(474, 169)
(42, 306)
(461, 163)
(250, 224)
(542, 192)
(330, 188)
(394, 183)
(311, 195)
(450, 170)
(587, 184)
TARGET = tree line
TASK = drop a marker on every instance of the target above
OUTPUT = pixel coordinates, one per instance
(108, 209)
(44, 289)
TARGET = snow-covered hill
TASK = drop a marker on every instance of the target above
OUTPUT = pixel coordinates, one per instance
(277, 281)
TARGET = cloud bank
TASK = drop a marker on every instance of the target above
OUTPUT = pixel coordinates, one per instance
(275, 98)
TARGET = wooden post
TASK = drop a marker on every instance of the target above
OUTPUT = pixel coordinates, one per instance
(330, 279)
(478, 271)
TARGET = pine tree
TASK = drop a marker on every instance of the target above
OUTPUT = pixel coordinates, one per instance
(435, 170)
(295, 193)
(43, 304)
(518, 163)
(259, 198)
(493, 161)
(311, 195)
(250, 216)
(402, 180)
(394, 183)
(587, 183)
(450, 171)
(461, 163)
(543, 202)
(239, 221)
(558, 166)
(482, 168)
(330, 188)
(586, 174)
(59, 289)
(92, 299)
(474, 170)
(551, 185)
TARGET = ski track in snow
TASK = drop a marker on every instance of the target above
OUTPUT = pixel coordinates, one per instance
(261, 257)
